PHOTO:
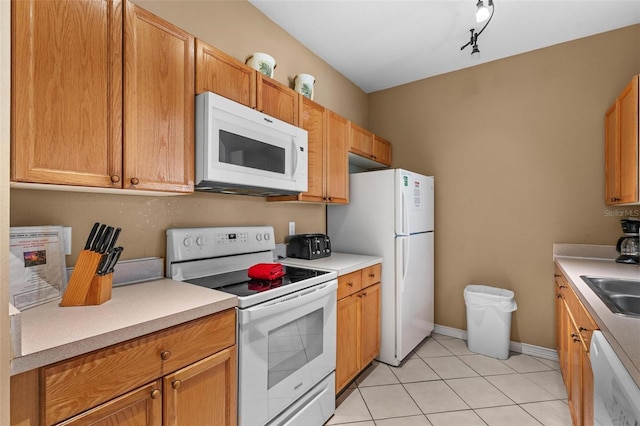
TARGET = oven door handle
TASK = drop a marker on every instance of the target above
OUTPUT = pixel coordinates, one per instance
(287, 302)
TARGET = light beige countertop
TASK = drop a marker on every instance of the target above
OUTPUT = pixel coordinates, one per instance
(622, 332)
(342, 263)
(51, 333)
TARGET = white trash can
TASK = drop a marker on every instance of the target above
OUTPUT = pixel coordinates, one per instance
(489, 319)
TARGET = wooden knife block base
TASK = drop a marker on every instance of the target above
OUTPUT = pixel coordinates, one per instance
(100, 290)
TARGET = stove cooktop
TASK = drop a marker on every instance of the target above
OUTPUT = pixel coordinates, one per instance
(239, 283)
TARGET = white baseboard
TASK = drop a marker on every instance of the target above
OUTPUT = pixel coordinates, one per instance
(524, 348)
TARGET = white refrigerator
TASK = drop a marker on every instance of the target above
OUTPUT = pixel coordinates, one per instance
(390, 215)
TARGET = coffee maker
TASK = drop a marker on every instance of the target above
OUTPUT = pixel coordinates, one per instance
(629, 245)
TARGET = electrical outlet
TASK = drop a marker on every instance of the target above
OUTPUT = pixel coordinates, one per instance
(292, 228)
(66, 233)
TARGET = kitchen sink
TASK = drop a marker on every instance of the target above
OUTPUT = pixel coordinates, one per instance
(621, 296)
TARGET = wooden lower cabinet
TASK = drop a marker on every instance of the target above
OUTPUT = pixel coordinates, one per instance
(139, 407)
(574, 330)
(181, 376)
(358, 318)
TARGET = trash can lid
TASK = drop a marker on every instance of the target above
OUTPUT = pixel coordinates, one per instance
(486, 296)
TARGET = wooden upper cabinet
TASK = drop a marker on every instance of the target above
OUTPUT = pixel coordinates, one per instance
(328, 167)
(159, 103)
(372, 147)
(225, 75)
(220, 73)
(381, 150)
(621, 147)
(102, 96)
(337, 159)
(312, 119)
(360, 141)
(66, 92)
(276, 99)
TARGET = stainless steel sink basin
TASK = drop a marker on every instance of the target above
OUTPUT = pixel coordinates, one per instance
(621, 296)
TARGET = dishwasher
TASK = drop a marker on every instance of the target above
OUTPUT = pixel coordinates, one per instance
(616, 396)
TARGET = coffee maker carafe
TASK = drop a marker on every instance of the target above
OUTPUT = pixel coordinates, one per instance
(629, 245)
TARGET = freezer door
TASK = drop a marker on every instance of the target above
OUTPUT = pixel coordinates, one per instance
(414, 291)
(414, 203)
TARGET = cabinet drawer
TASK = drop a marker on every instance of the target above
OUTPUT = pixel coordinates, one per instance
(370, 275)
(74, 385)
(349, 284)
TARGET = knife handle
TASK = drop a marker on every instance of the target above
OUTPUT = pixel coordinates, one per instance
(97, 239)
(105, 240)
(114, 238)
(92, 234)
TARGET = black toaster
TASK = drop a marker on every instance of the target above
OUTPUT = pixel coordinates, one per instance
(309, 246)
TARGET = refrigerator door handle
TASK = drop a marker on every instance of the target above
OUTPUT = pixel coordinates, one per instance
(405, 215)
(405, 261)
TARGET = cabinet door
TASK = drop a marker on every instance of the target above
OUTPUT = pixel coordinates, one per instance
(628, 135)
(347, 349)
(158, 103)
(575, 375)
(222, 74)
(360, 141)
(562, 330)
(312, 119)
(277, 100)
(141, 407)
(337, 159)
(621, 147)
(381, 150)
(370, 324)
(611, 156)
(66, 92)
(203, 393)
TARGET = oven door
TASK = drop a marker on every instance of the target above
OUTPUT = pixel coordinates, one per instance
(286, 346)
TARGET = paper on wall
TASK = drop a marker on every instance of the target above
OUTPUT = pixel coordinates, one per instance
(37, 266)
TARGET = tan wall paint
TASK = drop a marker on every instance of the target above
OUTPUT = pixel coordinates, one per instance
(239, 29)
(517, 149)
(5, 90)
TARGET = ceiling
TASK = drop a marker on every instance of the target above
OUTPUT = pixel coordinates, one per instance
(385, 43)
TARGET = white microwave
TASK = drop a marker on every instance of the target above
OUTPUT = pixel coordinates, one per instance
(242, 151)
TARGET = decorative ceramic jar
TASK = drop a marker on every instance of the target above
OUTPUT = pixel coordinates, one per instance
(304, 84)
(263, 63)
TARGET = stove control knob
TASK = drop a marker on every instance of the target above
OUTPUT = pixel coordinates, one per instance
(188, 242)
(259, 237)
(267, 237)
(200, 240)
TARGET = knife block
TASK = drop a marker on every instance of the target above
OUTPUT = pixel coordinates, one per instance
(81, 279)
(100, 289)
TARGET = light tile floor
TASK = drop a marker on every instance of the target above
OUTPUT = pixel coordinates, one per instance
(443, 383)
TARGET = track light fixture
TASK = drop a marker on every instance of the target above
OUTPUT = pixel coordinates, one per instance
(482, 14)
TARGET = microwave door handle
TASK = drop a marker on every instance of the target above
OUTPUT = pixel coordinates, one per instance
(296, 147)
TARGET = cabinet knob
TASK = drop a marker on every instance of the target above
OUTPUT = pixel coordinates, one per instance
(575, 337)
(165, 355)
(350, 284)
(135, 181)
(364, 294)
(372, 275)
(115, 178)
(581, 329)
(155, 394)
(562, 286)
(176, 384)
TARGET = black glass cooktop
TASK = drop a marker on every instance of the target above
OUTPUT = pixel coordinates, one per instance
(239, 283)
